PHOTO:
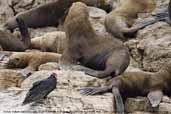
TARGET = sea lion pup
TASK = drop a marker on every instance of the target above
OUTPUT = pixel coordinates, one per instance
(9, 42)
(132, 84)
(41, 89)
(48, 14)
(30, 61)
(103, 53)
(51, 42)
(119, 21)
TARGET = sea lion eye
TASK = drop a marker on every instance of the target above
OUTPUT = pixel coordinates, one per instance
(17, 59)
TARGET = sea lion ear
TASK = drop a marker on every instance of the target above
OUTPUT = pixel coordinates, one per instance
(155, 97)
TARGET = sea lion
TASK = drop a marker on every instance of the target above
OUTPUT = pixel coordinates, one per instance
(41, 89)
(51, 42)
(9, 42)
(49, 14)
(119, 21)
(169, 9)
(104, 54)
(30, 61)
(132, 84)
(41, 16)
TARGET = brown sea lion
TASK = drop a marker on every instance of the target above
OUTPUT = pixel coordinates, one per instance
(103, 53)
(119, 22)
(49, 14)
(132, 84)
(30, 61)
(51, 42)
(9, 42)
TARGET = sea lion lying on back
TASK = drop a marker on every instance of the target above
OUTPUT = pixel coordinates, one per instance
(103, 53)
(120, 20)
(30, 61)
(50, 14)
(132, 84)
(52, 41)
(9, 42)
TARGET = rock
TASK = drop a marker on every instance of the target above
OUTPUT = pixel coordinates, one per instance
(166, 99)
(66, 98)
(10, 78)
(142, 113)
(137, 104)
(96, 18)
(5, 11)
(155, 46)
(49, 66)
(165, 108)
(66, 79)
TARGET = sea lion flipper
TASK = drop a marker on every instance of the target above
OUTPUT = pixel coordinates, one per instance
(24, 31)
(91, 72)
(92, 90)
(25, 72)
(118, 100)
(140, 25)
(155, 97)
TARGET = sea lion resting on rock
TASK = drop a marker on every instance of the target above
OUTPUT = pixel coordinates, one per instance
(9, 42)
(30, 61)
(49, 14)
(41, 16)
(103, 53)
(119, 21)
(132, 84)
(53, 42)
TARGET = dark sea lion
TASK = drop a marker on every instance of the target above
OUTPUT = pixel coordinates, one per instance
(169, 9)
(103, 53)
(41, 16)
(50, 14)
(9, 42)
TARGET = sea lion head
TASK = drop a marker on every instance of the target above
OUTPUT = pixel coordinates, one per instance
(78, 9)
(16, 61)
